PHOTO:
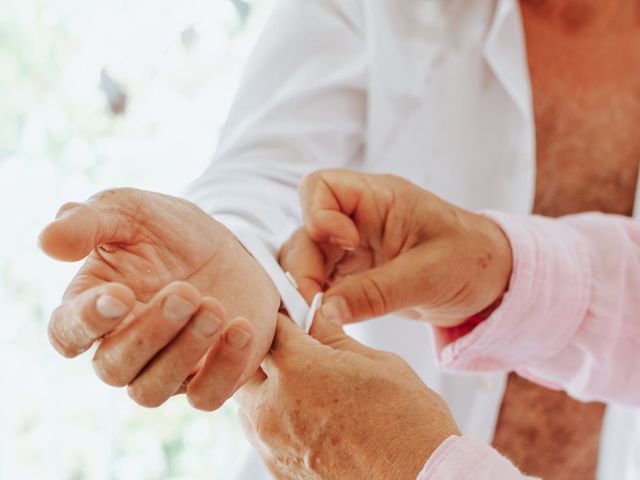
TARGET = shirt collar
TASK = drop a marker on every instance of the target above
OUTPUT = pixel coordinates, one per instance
(504, 51)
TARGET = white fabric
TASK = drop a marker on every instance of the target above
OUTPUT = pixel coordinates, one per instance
(435, 91)
(292, 300)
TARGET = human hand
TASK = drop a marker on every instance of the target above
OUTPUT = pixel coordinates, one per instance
(333, 408)
(380, 244)
(151, 288)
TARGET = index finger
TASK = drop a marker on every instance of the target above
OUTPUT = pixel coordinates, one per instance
(328, 198)
(90, 309)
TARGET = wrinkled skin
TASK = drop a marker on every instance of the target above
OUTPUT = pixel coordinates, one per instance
(330, 407)
(379, 244)
(175, 301)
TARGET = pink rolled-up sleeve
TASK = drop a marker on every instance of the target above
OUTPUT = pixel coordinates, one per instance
(571, 316)
(465, 458)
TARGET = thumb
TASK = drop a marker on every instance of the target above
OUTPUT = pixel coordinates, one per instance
(401, 283)
(77, 229)
(328, 199)
(80, 227)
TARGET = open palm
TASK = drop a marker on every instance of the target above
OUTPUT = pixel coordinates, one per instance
(142, 249)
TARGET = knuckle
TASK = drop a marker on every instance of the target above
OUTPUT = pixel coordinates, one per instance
(373, 297)
(66, 207)
(111, 193)
(310, 181)
(396, 181)
(315, 227)
(124, 202)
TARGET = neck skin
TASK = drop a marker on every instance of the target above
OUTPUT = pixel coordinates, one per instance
(587, 17)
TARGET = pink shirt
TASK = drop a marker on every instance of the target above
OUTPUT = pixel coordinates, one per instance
(570, 320)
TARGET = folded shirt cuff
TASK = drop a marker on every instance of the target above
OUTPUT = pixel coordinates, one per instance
(465, 458)
(545, 303)
(265, 253)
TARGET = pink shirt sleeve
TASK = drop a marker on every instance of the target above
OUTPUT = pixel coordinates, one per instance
(464, 458)
(570, 320)
(571, 316)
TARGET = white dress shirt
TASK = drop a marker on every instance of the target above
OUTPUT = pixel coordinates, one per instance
(435, 91)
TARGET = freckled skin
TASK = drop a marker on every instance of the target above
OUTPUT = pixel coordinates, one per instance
(351, 412)
(449, 267)
(453, 264)
(584, 60)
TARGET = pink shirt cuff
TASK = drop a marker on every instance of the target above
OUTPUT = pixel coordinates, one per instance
(465, 458)
(551, 280)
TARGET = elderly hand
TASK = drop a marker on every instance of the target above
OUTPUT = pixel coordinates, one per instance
(332, 408)
(156, 268)
(381, 244)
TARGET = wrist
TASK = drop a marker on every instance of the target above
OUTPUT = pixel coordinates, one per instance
(498, 275)
(414, 452)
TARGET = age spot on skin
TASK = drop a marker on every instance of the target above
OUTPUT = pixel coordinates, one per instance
(485, 260)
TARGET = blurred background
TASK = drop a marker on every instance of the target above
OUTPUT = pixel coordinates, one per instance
(97, 94)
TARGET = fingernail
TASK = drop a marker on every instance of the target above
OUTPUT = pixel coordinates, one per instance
(206, 323)
(335, 310)
(110, 307)
(177, 308)
(342, 243)
(237, 338)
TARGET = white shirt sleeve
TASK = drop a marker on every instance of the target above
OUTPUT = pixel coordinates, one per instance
(301, 106)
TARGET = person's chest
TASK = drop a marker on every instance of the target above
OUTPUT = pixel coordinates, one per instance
(586, 110)
(454, 112)
(586, 102)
